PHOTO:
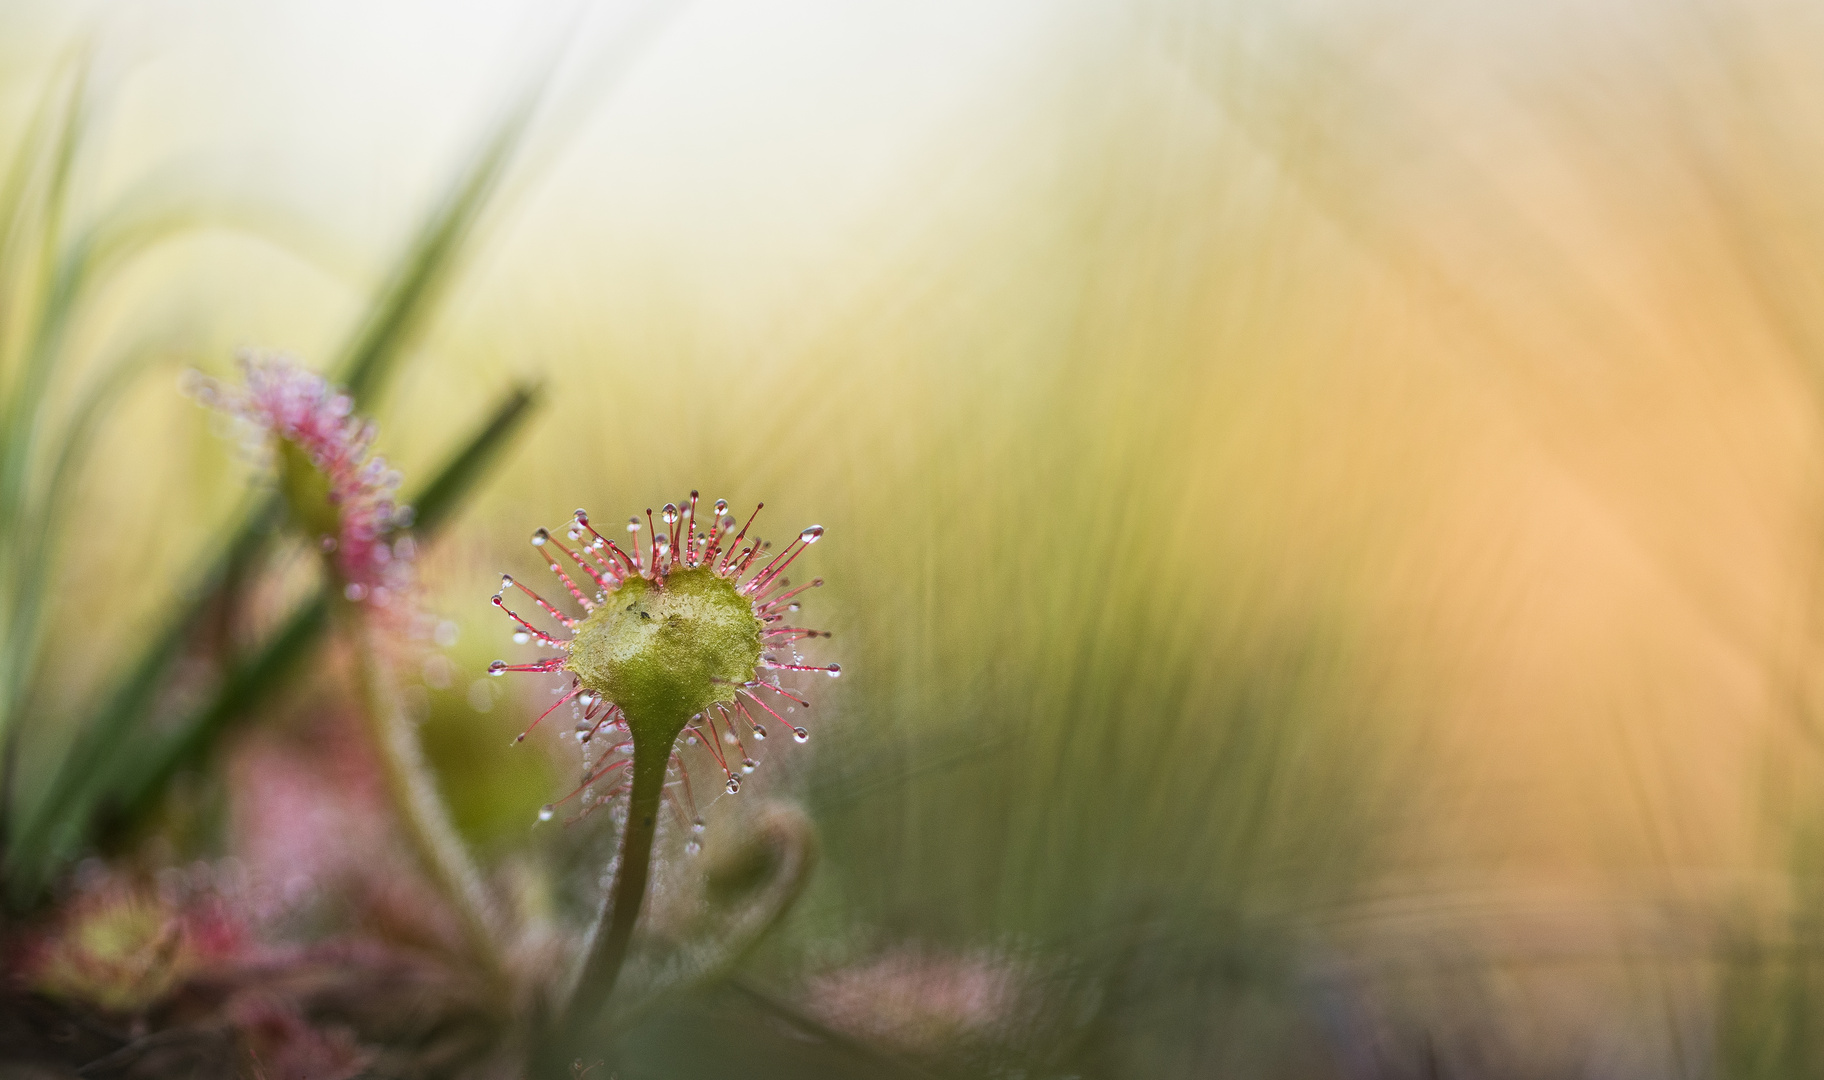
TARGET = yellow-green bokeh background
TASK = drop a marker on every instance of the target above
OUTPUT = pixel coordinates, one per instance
(1351, 468)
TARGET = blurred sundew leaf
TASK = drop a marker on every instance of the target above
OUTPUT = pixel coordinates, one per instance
(144, 775)
(125, 777)
(490, 796)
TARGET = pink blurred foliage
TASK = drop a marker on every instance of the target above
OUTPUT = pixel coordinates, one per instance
(313, 829)
(308, 814)
(282, 1045)
(174, 954)
(919, 1002)
(124, 947)
(309, 943)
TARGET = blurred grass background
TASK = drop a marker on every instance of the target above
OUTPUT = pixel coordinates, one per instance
(1323, 499)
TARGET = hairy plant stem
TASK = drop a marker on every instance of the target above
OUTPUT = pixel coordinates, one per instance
(613, 931)
(420, 809)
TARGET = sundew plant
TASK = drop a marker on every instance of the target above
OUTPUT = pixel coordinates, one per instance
(681, 645)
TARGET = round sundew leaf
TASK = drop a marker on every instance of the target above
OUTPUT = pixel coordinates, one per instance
(666, 650)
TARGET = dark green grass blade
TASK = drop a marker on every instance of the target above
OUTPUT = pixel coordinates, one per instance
(118, 785)
(447, 491)
(9, 776)
(62, 272)
(140, 778)
(418, 280)
(40, 520)
(38, 454)
(49, 126)
(406, 300)
(128, 706)
(69, 796)
(32, 209)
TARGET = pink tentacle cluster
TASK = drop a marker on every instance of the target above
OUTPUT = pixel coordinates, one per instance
(680, 538)
(280, 400)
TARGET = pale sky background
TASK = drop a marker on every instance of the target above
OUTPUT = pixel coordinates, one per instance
(732, 124)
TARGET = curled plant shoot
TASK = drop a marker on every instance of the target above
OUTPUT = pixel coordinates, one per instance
(683, 636)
